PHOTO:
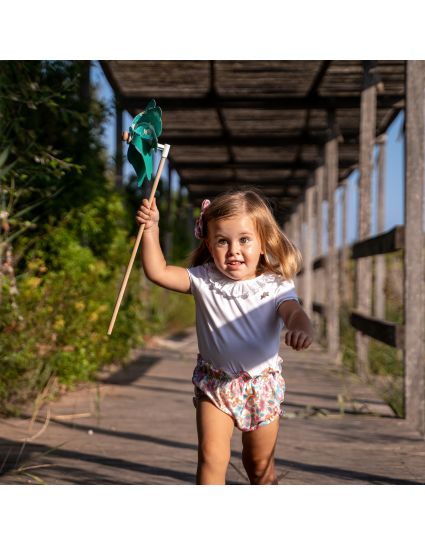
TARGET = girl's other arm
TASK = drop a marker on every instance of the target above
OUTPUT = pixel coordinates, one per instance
(300, 331)
(154, 264)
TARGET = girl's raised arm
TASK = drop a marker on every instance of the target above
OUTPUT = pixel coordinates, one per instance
(153, 261)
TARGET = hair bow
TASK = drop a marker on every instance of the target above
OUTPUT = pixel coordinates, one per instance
(199, 227)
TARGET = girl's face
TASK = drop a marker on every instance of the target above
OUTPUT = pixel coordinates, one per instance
(235, 246)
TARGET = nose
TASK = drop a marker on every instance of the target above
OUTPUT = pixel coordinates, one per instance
(233, 248)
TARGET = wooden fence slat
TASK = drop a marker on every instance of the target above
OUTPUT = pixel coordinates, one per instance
(382, 244)
(386, 332)
(414, 248)
(332, 314)
(363, 266)
(308, 252)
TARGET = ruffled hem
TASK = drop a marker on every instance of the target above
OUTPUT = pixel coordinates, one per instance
(265, 284)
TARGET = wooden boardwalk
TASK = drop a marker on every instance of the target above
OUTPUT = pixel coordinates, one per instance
(137, 426)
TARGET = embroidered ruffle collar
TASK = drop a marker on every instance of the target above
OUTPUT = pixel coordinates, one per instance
(231, 289)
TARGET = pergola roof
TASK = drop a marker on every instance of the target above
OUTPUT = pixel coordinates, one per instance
(256, 122)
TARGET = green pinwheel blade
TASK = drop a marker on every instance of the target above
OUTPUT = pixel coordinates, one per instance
(145, 130)
(153, 116)
(142, 164)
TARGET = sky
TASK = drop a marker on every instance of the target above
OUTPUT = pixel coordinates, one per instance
(394, 197)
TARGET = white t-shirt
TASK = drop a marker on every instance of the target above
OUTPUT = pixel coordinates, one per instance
(237, 323)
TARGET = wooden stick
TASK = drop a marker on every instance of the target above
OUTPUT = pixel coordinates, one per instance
(138, 239)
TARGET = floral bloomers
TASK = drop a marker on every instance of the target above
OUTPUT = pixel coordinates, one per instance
(252, 402)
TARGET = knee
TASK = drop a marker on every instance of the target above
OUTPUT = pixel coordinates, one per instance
(260, 471)
(213, 455)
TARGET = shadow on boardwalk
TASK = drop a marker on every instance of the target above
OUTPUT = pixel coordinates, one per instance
(137, 426)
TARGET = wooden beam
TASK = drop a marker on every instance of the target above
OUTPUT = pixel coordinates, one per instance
(277, 141)
(379, 284)
(391, 241)
(168, 235)
(332, 292)
(320, 262)
(414, 247)
(386, 332)
(345, 288)
(308, 252)
(363, 266)
(211, 165)
(291, 188)
(272, 103)
(319, 182)
(319, 308)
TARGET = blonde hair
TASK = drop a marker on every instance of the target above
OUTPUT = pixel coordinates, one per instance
(280, 256)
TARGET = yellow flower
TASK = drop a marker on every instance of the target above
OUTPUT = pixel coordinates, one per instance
(33, 282)
(79, 305)
(59, 324)
(93, 317)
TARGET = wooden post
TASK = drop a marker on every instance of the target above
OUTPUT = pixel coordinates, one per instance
(301, 247)
(118, 146)
(308, 252)
(344, 264)
(379, 287)
(319, 176)
(332, 300)
(297, 241)
(414, 247)
(319, 274)
(168, 235)
(363, 265)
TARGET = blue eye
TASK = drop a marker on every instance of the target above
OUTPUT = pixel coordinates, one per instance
(244, 240)
(221, 242)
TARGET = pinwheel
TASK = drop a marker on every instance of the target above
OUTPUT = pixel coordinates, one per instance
(142, 139)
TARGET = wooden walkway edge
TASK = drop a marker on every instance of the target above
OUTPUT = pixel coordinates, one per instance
(137, 426)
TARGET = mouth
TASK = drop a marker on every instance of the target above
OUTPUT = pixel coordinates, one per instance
(234, 264)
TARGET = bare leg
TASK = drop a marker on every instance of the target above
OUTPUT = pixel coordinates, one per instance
(258, 453)
(215, 429)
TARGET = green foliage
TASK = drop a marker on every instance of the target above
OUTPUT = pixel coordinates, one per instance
(66, 297)
(72, 234)
(385, 362)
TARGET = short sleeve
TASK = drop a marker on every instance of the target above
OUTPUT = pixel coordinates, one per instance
(285, 291)
(197, 277)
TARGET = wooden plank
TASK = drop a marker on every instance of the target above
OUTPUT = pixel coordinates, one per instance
(130, 438)
(391, 241)
(301, 240)
(379, 282)
(332, 292)
(319, 308)
(363, 266)
(320, 262)
(168, 235)
(285, 103)
(212, 165)
(344, 284)
(173, 137)
(308, 251)
(386, 332)
(414, 249)
(319, 181)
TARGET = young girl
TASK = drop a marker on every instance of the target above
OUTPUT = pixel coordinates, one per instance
(241, 278)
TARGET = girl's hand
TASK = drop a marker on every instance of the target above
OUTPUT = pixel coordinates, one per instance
(149, 217)
(298, 339)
